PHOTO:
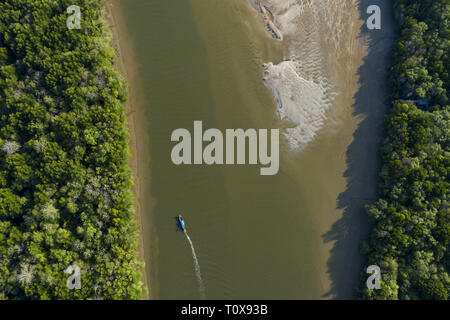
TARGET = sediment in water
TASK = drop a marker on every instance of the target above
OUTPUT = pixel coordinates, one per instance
(302, 86)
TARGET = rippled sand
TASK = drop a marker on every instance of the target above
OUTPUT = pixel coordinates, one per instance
(290, 236)
(314, 32)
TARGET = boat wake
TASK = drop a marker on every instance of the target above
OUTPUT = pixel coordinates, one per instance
(196, 267)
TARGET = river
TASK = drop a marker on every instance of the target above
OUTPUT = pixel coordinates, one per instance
(293, 235)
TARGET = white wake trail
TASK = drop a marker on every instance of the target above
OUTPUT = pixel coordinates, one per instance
(196, 267)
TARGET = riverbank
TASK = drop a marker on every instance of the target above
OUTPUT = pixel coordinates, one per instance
(412, 205)
(67, 180)
(204, 63)
(126, 66)
(332, 86)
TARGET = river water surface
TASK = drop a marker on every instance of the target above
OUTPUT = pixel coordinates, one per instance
(255, 237)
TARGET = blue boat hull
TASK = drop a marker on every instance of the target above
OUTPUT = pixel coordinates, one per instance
(181, 223)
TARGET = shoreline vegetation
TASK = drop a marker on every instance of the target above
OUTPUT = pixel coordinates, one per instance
(65, 181)
(68, 139)
(411, 220)
(126, 68)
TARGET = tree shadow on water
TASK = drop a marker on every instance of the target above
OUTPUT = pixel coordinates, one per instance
(345, 264)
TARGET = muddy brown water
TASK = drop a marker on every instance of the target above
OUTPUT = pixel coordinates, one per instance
(289, 236)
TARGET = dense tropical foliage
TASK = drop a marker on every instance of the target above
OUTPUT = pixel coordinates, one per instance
(65, 186)
(411, 220)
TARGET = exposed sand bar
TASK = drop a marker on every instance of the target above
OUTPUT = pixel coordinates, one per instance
(316, 34)
(298, 230)
(333, 81)
(268, 20)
